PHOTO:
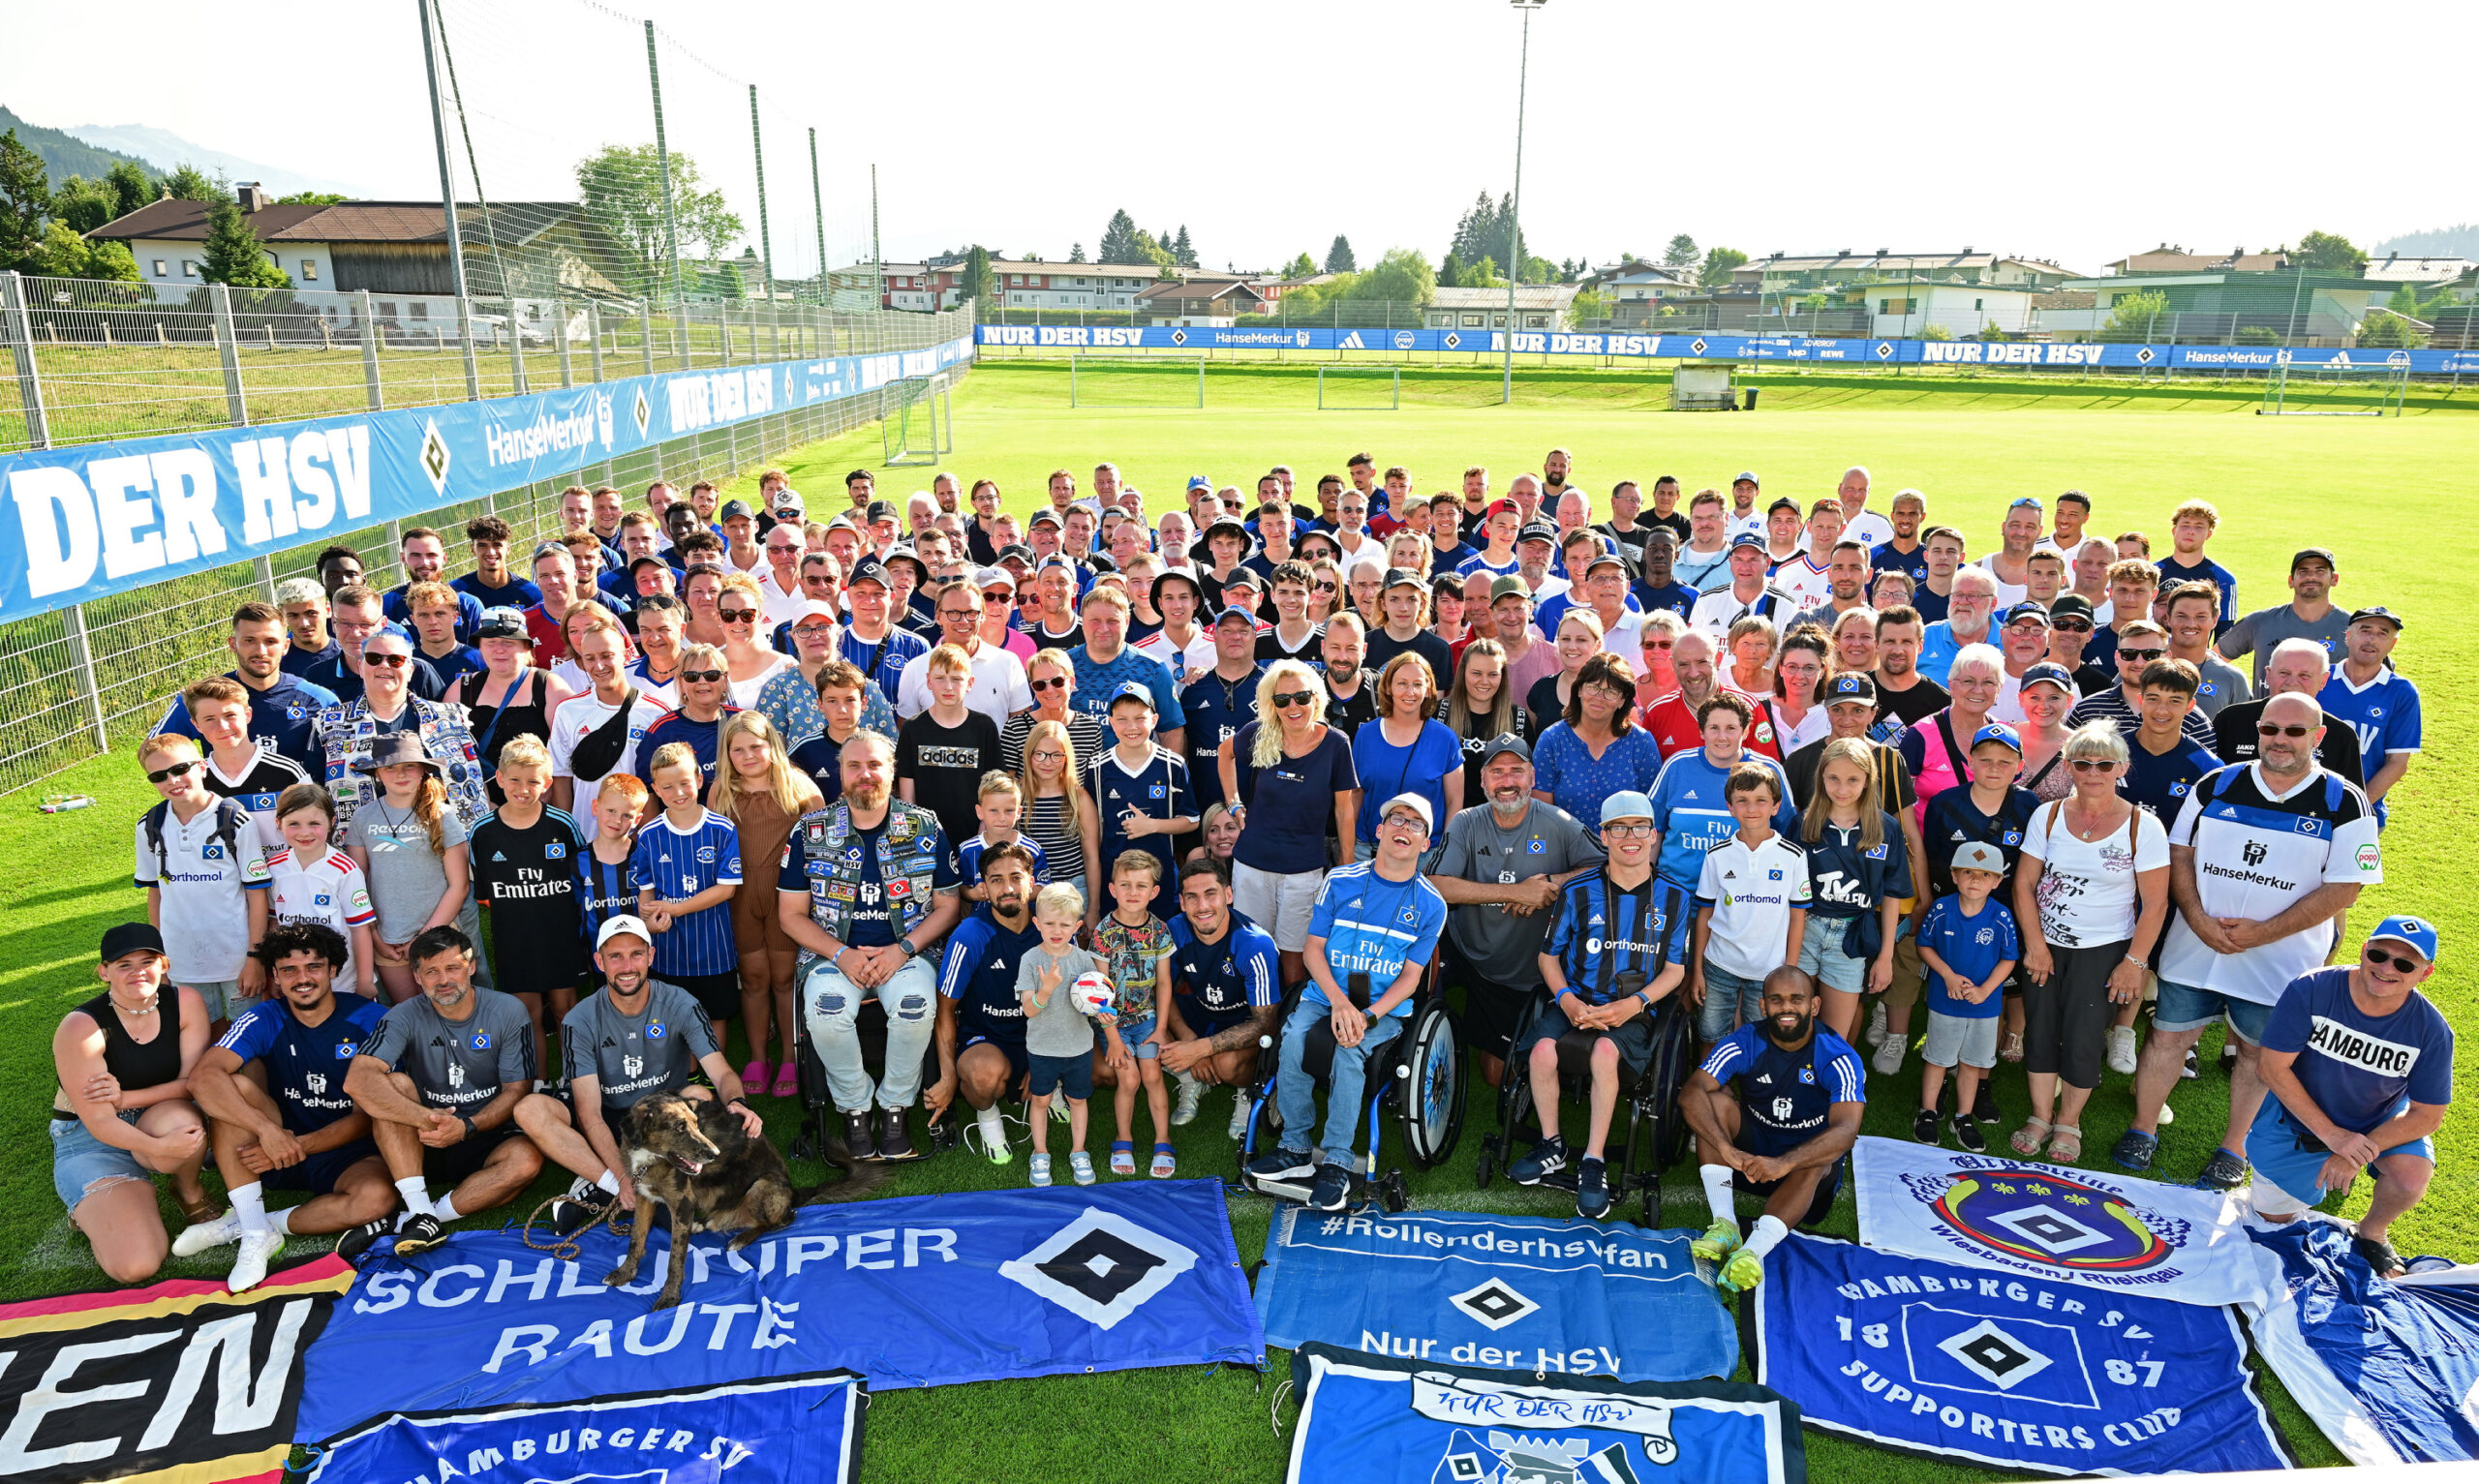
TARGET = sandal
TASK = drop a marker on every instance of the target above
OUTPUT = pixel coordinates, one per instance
(2013, 1050)
(2065, 1146)
(787, 1080)
(2030, 1138)
(203, 1211)
(1122, 1157)
(1166, 1163)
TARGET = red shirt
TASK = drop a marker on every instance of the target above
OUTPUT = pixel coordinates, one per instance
(1675, 728)
(550, 646)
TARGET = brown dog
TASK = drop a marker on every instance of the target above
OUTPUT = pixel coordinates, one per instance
(693, 1157)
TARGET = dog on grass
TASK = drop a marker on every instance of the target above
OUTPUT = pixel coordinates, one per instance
(692, 1157)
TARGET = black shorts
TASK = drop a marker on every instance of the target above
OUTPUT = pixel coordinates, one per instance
(1018, 1063)
(1490, 1011)
(717, 994)
(1069, 1075)
(1827, 1189)
(450, 1167)
(1634, 1039)
(1204, 1026)
(317, 1174)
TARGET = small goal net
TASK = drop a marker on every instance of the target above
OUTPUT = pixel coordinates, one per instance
(2337, 388)
(919, 426)
(1171, 381)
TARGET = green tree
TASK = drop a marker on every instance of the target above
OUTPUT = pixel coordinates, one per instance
(1451, 273)
(131, 188)
(1181, 252)
(1681, 252)
(1119, 241)
(25, 203)
(84, 204)
(620, 190)
(189, 183)
(66, 254)
(2134, 315)
(1076, 252)
(2328, 252)
(1935, 332)
(1591, 305)
(1403, 275)
(2384, 329)
(1483, 230)
(310, 198)
(1302, 266)
(1339, 255)
(1718, 265)
(1484, 274)
(234, 256)
(979, 284)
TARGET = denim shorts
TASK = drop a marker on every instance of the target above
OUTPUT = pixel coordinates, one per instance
(2185, 1008)
(222, 997)
(1821, 958)
(2281, 1161)
(1138, 1039)
(1730, 1001)
(82, 1164)
(1072, 1076)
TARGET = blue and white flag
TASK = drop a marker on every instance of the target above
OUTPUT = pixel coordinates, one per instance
(796, 1429)
(1365, 1419)
(2389, 1369)
(2077, 1225)
(1953, 1361)
(1523, 1293)
(926, 1291)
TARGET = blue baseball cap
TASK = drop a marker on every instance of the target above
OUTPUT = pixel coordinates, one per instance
(2416, 931)
(1625, 803)
(1199, 482)
(1133, 690)
(2026, 611)
(2051, 672)
(1998, 732)
(1748, 538)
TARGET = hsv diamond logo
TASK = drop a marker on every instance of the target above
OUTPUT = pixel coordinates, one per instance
(1179, 337)
(641, 412)
(1452, 340)
(1994, 1355)
(2146, 355)
(1696, 345)
(1494, 1304)
(433, 456)
(1100, 1267)
(1884, 350)
(2054, 1221)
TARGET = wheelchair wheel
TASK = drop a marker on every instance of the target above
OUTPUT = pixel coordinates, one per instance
(1672, 1051)
(1432, 1097)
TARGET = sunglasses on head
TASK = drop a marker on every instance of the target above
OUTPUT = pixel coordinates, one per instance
(389, 661)
(1289, 698)
(736, 615)
(177, 770)
(1053, 682)
(2377, 958)
(701, 677)
(2273, 729)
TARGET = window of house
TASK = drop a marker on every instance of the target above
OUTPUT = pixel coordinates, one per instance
(1978, 303)
(1472, 321)
(160, 270)
(189, 267)
(309, 270)
(421, 311)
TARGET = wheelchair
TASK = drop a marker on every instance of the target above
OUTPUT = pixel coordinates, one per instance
(1419, 1076)
(1655, 1133)
(821, 1120)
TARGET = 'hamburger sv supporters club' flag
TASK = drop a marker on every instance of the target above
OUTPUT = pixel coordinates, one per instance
(1951, 1360)
(2075, 1226)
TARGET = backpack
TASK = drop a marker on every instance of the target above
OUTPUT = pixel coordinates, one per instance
(231, 819)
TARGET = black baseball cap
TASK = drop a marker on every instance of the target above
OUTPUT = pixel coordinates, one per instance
(2377, 612)
(129, 938)
(1786, 502)
(1538, 530)
(735, 509)
(881, 510)
(1401, 577)
(868, 570)
(1851, 685)
(1019, 552)
(1505, 741)
(2068, 605)
(2320, 554)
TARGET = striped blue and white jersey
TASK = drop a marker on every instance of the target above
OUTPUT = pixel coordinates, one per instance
(676, 864)
(1604, 929)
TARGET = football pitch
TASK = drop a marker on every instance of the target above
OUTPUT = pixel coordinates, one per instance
(2355, 485)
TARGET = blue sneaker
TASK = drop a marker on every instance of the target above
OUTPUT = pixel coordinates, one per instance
(1547, 1157)
(1283, 1165)
(1334, 1188)
(1592, 1189)
(2134, 1150)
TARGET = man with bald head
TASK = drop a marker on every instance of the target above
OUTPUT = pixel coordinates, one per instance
(1859, 522)
(1695, 661)
(2295, 667)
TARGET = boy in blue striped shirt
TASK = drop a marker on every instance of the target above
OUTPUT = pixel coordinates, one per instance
(687, 867)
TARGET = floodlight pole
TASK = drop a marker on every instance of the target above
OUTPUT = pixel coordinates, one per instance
(439, 137)
(1514, 211)
(663, 163)
(818, 209)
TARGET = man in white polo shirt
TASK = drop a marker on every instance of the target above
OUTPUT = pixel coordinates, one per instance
(999, 687)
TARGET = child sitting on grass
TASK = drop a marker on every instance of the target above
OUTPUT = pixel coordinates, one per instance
(1135, 947)
(1970, 945)
(1058, 1037)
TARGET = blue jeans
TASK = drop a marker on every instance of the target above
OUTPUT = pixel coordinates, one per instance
(1730, 1002)
(1296, 1094)
(831, 1006)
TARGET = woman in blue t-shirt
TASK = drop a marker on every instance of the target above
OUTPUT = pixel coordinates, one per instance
(1598, 750)
(1285, 779)
(1407, 751)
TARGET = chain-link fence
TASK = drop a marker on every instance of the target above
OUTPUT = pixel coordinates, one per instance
(76, 680)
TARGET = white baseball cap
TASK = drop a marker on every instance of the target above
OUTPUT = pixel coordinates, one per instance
(624, 923)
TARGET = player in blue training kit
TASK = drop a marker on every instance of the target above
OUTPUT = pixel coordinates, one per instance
(1801, 1093)
(1226, 989)
(296, 1130)
(981, 1020)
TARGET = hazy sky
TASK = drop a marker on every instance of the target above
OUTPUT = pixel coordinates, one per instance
(1792, 127)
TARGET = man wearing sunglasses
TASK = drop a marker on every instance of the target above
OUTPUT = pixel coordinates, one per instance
(2264, 856)
(999, 688)
(2360, 1065)
(2297, 666)
(386, 704)
(2070, 626)
(2139, 644)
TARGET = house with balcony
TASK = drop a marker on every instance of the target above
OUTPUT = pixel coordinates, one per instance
(1536, 307)
(1199, 301)
(1782, 273)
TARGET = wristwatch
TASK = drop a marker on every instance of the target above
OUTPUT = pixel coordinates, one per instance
(909, 952)
(1647, 997)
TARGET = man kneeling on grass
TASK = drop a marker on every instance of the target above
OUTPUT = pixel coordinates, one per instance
(1801, 1093)
(292, 1128)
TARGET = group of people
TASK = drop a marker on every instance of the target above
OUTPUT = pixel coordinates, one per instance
(1085, 798)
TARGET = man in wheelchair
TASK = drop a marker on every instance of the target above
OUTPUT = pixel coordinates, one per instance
(1619, 946)
(1801, 1094)
(1375, 923)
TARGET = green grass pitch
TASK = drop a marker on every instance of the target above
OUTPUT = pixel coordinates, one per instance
(2366, 487)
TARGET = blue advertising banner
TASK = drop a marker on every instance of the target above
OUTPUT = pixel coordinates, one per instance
(1450, 1288)
(1949, 1361)
(1719, 346)
(798, 1430)
(1369, 1420)
(2388, 1368)
(104, 517)
(926, 1291)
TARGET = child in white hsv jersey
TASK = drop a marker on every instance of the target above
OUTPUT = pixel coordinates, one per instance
(309, 880)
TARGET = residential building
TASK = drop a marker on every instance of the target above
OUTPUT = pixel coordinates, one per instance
(1536, 307)
(2165, 259)
(2317, 307)
(1902, 308)
(1785, 274)
(1199, 301)
(1016, 283)
(1636, 291)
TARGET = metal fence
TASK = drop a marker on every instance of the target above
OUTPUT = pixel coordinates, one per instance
(76, 680)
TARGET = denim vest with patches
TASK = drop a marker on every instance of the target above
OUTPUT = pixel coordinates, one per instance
(909, 850)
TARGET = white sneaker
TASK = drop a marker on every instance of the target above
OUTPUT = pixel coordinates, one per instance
(1241, 1105)
(250, 1268)
(1877, 1024)
(1184, 1110)
(2122, 1049)
(197, 1238)
(1889, 1053)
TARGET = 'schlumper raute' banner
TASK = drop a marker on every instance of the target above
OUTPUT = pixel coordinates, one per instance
(793, 1429)
(1529, 1293)
(179, 1383)
(101, 518)
(2022, 1374)
(1365, 1419)
(2076, 1226)
(2388, 1368)
(926, 1291)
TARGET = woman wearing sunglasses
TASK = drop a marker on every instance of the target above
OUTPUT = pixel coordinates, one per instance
(1051, 676)
(1286, 774)
(348, 731)
(2092, 895)
(740, 608)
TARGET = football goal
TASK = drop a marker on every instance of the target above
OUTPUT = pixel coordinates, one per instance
(2337, 388)
(1173, 382)
(919, 426)
(1359, 388)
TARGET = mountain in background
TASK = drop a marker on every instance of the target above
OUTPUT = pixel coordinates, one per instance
(2442, 242)
(162, 149)
(64, 156)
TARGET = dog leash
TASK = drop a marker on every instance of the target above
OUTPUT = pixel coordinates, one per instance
(566, 1247)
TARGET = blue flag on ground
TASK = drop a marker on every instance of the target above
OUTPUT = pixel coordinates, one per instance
(1366, 1419)
(1528, 1294)
(920, 1291)
(1989, 1367)
(796, 1429)
(2387, 1368)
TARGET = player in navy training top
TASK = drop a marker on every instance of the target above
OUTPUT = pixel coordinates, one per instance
(980, 1020)
(1801, 1093)
(1226, 982)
